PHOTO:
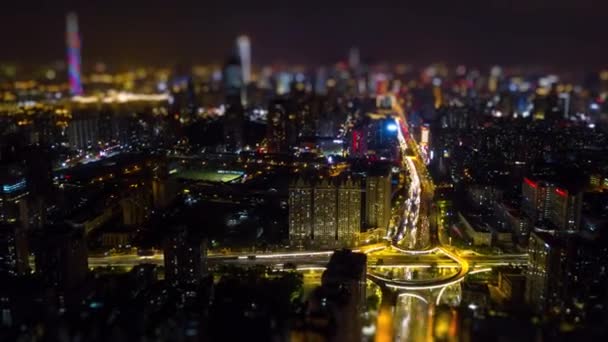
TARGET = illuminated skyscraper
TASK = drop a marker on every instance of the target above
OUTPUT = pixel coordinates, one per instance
(244, 51)
(349, 212)
(73, 44)
(300, 212)
(325, 213)
(378, 199)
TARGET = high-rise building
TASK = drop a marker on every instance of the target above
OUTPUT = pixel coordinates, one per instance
(353, 58)
(300, 212)
(566, 273)
(13, 250)
(83, 131)
(565, 208)
(234, 116)
(73, 52)
(325, 213)
(535, 199)
(244, 51)
(378, 198)
(276, 133)
(349, 212)
(13, 196)
(546, 201)
(61, 257)
(544, 270)
(185, 257)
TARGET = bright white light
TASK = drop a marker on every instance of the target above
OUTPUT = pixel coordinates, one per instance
(392, 127)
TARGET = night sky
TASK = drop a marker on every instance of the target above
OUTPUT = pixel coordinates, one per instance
(569, 33)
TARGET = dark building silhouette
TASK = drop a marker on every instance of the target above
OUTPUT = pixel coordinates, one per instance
(185, 256)
(61, 257)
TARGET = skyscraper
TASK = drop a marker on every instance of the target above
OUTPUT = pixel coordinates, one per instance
(61, 256)
(325, 213)
(353, 58)
(300, 212)
(566, 273)
(73, 45)
(234, 117)
(13, 249)
(565, 208)
(185, 256)
(244, 47)
(378, 198)
(535, 199)
(349, 212)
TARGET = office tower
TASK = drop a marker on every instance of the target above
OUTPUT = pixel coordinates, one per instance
(185, 255)
(324, 211)
(378, 198)
(244, 51)
(349, 212)
(73, 46)
(300, 212)
(13, 250)
(565, 208)
(535, 199)
(61, 256)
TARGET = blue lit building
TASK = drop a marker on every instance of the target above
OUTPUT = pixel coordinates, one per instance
(13, 196)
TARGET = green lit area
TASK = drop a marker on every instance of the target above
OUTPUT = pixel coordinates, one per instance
(217, 176)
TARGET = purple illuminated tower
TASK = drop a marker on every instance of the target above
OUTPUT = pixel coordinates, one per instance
(73, 43)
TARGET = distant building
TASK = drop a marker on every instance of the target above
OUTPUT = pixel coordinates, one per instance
(185, 256)
(378, 199)
(277, 126)
(234, 116)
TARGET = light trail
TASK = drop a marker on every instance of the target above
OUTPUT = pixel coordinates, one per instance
(413, 295)
(440, 294)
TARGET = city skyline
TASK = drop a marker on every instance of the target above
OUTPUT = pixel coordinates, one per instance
(187, 32)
